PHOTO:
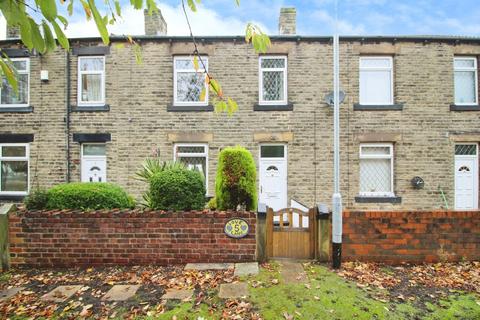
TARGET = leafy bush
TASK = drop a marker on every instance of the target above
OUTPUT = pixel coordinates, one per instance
(236, 181)
(212, 204)
(86, 195)
(150, 167)
(36, 200)
(177, 189)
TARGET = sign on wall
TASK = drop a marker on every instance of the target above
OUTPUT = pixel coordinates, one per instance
(236, 228)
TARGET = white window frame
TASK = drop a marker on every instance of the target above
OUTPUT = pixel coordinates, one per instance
(79, 82)
(390, 156)
(9, 105)
(260, 81)
(475, 70)
(200, 70)
(24, 158)
(390, 69)
(177, 155)
(82, 156)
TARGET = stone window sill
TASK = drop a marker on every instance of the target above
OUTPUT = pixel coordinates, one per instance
(10, 197)
(386, 107)
(191, 108)
(366, 199)
(456, 107)
(269, 107)
(23, 109)
(95, 108)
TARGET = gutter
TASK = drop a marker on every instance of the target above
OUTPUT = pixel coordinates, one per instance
(67, 110)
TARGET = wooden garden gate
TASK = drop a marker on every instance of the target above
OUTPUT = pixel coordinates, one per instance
(291, 233)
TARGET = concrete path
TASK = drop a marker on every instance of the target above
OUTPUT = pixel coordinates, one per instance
(233, 290)
(208, 266)
(8, 293)
(121, 292)
(292, 272)
(246, 269)
(61, 293)
(177, 294)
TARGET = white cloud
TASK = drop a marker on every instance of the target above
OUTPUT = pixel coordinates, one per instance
(344, 27)
(204, 22)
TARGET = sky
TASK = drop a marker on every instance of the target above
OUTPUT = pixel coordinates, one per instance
(314, 17)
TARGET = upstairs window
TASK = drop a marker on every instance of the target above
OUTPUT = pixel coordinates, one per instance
(194, 156)
(376, 170)
(466, 87)
(8, 96)
(273, 80)
(189, 86)
(14, 168)
(91, 80)
(376, 80)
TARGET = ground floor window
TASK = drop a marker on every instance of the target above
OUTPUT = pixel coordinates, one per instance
(94, 162)
(14, 170)
(376, 170)
(194, 156)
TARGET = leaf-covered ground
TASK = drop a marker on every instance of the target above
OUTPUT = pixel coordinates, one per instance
(357, 291)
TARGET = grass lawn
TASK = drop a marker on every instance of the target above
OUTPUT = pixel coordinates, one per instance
(358, 292)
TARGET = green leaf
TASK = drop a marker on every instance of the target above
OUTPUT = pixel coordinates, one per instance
(49, 40)
(215, 87)
(9, 72)
(101, 25)
(137, 4)
(203, 94)
(38, 41)
(70, 8)
(195, 63)
(118, 8)
(152, 6)
(49, 9)
(220, 106)
(63, 20)
(62, 39)
(192, 5)
(137, 50)
(237, 2)
(232, 106)
(26, 35)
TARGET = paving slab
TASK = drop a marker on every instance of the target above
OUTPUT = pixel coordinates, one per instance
(233, 290)
(245, 269)
(208, 266)
(8, 293)
(121, 292)
(177, 294)
(292, 272)
(61, 293)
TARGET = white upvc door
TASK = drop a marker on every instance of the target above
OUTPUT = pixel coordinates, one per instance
(94, 163)
(273, 176)
(466, 180)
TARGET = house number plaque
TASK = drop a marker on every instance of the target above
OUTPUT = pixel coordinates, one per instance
(236, 228)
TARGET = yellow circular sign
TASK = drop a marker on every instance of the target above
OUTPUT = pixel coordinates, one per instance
(236, 228)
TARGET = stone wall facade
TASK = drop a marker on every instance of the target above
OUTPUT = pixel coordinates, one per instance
(423, 133)
(411, 236)
(74, 238)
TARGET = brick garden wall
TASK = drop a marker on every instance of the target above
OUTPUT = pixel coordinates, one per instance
(73, 238)
(412, 236)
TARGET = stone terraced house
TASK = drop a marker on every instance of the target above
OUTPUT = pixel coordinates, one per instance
(410, 121)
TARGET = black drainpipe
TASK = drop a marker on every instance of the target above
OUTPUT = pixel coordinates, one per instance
(67, 106)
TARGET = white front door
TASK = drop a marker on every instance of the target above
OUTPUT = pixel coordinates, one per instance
(273, 176)
(466, 177)
(94, 163)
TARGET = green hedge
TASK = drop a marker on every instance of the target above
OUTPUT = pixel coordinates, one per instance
(177, 189)
(87, 195)
(236, 181)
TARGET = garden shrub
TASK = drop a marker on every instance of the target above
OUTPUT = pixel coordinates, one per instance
(212, 204)
(88, 195)
(36, 200)
(236, 181)
(177, 189)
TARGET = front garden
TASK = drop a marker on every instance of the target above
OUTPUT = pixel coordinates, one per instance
(358, 291)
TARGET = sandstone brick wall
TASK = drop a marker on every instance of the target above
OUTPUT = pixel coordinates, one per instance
(411, 236)
(74, 238)
(139, 122)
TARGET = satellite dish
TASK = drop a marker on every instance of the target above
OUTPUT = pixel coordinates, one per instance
(329, 98)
